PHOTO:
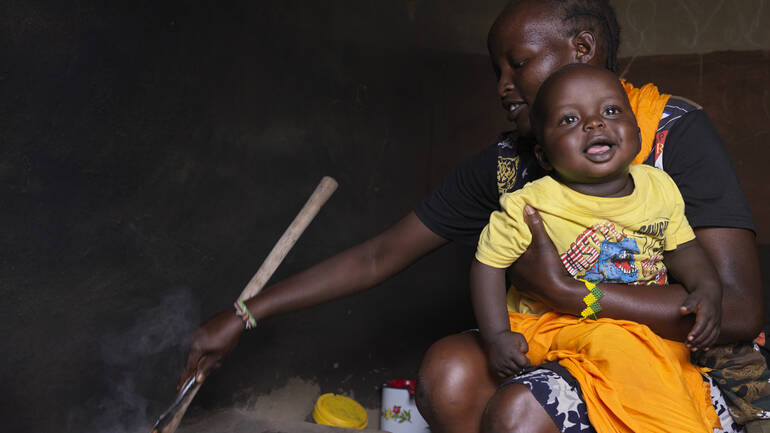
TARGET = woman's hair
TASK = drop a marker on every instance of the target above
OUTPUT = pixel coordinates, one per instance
(597, 16)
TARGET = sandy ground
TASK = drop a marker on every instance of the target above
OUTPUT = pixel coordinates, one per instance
(287, 409)
(240, 421)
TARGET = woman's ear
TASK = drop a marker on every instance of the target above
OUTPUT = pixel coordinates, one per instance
(585, 46)
(541, 157)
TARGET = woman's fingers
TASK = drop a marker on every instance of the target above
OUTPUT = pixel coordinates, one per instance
(535, 223)
(211, 343)
(191, 365)
(205, 366)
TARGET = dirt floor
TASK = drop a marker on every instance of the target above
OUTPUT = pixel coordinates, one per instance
(239, 421)
(284, 410)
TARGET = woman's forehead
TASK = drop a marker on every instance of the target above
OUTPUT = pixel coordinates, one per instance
(524, 21)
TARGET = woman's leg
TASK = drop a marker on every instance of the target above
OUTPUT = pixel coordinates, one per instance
(511, 405)
(728, 424)
(455, 384)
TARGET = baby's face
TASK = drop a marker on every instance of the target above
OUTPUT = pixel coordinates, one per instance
(588, 132)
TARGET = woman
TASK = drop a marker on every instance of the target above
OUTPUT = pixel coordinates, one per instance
(529, 40)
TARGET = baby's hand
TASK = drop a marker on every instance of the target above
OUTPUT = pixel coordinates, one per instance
(506, 353)
(707, 307)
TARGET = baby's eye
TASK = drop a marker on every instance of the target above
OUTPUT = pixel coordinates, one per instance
(612, 110)
(568, 120)
(516, 64)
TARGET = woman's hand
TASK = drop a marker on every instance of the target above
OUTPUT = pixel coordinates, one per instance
(211, 343)
(539, 272)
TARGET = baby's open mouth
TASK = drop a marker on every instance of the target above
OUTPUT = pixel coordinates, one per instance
(600, 151)
(597, 148)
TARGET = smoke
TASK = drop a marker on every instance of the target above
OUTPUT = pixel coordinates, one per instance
(155, 331)
(143, 363)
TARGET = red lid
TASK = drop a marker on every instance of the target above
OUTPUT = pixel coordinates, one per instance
(403, 384)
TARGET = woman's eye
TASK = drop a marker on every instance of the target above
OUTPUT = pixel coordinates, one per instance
(518, 64)
(612, 110)
(567, 120)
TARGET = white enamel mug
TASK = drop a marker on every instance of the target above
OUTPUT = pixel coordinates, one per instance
(399, 412)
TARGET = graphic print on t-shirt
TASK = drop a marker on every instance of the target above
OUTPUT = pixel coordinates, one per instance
(507, 170)
(615, 263)
(516, 163)
(601, 253)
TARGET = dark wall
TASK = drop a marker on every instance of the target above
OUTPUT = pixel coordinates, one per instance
(151, 153)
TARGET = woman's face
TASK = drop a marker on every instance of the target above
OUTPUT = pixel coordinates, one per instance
(526, 45)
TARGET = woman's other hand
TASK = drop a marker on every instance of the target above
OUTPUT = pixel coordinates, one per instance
(211, 343)
(539, 272)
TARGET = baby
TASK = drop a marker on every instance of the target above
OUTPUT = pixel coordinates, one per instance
(612, 223)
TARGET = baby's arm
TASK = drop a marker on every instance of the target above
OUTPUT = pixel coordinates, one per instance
(505, 348)
(690, 265)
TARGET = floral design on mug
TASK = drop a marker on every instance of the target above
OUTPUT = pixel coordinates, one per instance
(397, 414)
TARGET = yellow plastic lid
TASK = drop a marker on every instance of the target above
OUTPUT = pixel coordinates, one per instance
(339, 411)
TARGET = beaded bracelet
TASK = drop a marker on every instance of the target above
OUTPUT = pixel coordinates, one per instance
(592, 301)
(244, 313)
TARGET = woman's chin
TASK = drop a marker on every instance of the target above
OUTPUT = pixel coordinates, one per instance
(522, 125)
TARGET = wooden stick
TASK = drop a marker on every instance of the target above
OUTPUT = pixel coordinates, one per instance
(322, 192)
(169, 421)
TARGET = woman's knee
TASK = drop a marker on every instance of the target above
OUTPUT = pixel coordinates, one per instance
(514, 409)
(454, 374)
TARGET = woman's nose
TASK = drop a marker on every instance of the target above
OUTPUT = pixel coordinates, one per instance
(505, 84)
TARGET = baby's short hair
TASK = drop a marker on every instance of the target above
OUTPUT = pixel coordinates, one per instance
(540, 109)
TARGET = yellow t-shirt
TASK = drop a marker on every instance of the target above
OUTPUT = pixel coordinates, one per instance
(599, 239)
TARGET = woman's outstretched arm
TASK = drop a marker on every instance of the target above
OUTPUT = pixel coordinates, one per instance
(540, 273)
(351, 271)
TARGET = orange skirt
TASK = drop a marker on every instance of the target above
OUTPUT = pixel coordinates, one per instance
(632, 380)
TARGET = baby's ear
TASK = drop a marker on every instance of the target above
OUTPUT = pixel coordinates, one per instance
(542, 158)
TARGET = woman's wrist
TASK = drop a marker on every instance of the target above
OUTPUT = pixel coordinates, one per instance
(255, 307)
(242, 311)
(568, 296)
